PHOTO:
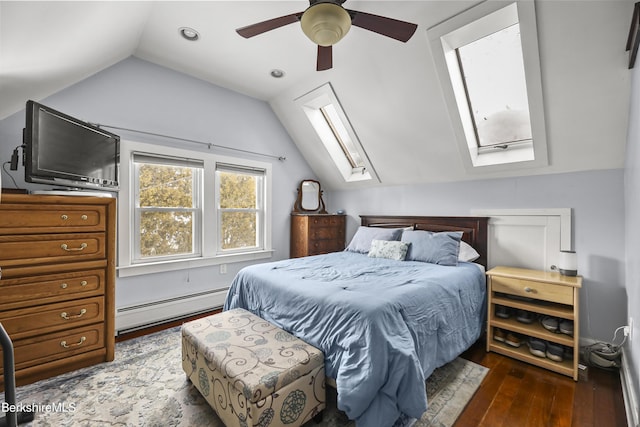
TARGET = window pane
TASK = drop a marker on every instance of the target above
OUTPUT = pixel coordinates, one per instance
(239, 230)
(166, 233)
(493, 71)
(165, 186)
(237, 190)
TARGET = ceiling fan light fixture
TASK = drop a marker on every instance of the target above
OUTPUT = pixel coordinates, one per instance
(325, 23)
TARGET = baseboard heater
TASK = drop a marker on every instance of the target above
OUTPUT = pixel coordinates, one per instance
(628, 392)
(141, 316)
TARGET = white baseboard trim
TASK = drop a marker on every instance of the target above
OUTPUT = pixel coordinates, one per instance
(629, 393)
(144, 315)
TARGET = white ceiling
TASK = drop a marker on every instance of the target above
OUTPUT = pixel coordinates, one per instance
(389, 89)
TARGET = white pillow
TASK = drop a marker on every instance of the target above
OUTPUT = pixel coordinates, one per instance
(389, 249)
(467, 253)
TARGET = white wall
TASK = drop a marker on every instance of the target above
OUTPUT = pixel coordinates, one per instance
(597, 201)
(632, 213)
(139, 95)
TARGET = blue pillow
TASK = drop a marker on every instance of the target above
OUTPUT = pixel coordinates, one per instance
(361, 241)
(435, 248)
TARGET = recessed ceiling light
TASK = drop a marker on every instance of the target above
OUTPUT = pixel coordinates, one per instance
(189, 34)
(277, 73)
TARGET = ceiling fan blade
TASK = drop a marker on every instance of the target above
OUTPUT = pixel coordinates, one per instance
(268, 25)
(399, 30)
(325, 58)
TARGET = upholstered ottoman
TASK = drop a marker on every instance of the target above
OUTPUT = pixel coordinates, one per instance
(251, 372)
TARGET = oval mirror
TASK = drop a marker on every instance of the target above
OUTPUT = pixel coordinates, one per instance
(309, 198)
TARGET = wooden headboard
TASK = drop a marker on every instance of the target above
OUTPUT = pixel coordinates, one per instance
(474, 228)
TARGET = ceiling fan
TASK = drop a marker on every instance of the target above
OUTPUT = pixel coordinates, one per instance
(326, 22)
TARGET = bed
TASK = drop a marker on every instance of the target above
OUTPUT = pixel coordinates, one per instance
(383, 324)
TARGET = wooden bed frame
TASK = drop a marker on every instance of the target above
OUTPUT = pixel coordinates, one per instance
(474, 228)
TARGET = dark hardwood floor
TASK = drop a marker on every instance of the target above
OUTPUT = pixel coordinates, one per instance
(516, 394)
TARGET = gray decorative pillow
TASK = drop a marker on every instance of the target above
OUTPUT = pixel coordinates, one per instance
(435, 248)
(390, 249)
(361, 241)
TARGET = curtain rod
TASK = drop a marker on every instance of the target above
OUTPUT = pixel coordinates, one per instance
(208, 144)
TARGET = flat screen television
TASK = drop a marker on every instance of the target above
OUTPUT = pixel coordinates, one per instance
(61, 150)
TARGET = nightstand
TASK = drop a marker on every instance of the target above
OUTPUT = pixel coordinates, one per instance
(540, 293)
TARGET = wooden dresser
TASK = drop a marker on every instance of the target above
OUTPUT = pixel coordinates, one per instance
(314, 234)
(57, 260)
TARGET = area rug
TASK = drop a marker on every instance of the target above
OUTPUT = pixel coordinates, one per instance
(145, 386)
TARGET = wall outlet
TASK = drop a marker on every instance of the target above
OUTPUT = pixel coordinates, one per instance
(223, 268)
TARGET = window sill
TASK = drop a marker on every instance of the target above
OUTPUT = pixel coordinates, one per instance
(181, 264)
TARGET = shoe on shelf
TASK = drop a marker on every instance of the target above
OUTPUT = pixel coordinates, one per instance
(503, 312)
(549, 323)
(566, 327)
(499, 335)
(555, 352)
(524, 316)
(537, 347)
(513, 340)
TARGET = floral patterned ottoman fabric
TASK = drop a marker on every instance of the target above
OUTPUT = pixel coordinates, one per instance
(251, 372)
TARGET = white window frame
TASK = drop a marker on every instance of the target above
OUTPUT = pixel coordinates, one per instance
(259, 210)
(475, 23)
(196, 210)
(312, 104)
(210, 255)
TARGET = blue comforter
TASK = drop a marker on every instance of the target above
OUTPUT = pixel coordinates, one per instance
(383, 325)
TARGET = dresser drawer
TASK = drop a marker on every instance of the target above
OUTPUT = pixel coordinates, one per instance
(324, 246)
(38, 290)
(532, 289)
(51, 219)
(325, 220)
(25, 322)
(45, 348)
(325, 233)
(38, 249)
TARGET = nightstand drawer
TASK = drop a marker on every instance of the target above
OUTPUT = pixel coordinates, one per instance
(532, 289)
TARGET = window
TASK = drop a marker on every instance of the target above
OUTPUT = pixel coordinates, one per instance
(183, 209)
(168, 207)
(494, 79)
(488, 63)
(240, 207)
(330, 122)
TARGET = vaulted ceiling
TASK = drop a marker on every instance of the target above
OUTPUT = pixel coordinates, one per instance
(389, 90)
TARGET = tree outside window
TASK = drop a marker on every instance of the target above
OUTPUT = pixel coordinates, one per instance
(167, 209)
(240, 216)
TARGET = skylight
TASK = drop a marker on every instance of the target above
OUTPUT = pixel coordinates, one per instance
(330, 122)
(488, 64)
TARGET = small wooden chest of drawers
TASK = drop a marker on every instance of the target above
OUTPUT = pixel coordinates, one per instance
(315, 234)
(540, 293)
(57, 277)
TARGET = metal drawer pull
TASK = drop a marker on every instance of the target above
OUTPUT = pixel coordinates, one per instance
(68, 249)
(66, 316)
(64, 217)
(529, 290)
(84, 217)
(65, 345)
(64, 285)
(83, 283)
